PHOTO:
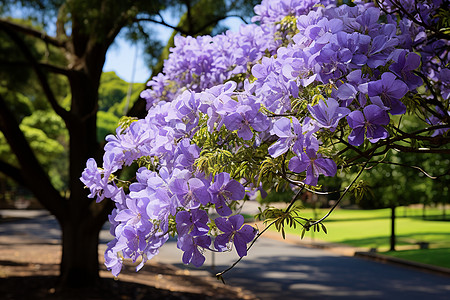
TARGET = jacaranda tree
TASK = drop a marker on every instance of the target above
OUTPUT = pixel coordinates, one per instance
(312, 88)
(72, 38)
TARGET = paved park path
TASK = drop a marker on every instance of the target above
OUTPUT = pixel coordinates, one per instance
(279, 270)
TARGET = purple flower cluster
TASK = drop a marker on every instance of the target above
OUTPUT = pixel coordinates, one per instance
(273, 11)
(141, 220)
(418, 18)
(344, 71)
(205, 61)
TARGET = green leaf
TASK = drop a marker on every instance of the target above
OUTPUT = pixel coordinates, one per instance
(125, 122)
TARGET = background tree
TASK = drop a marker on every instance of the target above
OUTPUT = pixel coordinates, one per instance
(71, 48)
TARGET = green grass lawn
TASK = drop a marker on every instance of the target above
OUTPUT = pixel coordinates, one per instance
(371, 229)
(438, 257)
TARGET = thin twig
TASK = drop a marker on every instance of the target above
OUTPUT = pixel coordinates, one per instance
(412, 167)
(342, 196)
(218, 275)
(294, 199)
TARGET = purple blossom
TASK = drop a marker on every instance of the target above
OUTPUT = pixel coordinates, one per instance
(92, 178)
(290, 136)
(135, 214)
(190, 193)
(275, 93)
(98, 181)
(186, 154)
(193, 222)
(190, 245)
(223, 190)
(133, 143)
(272, 11)
(390, 90)
(185, 108)
(264, 68)
(314, 165)
(368, 21)
(112, 260)
(217, 102)
(234, 230)
(327, 115)
(297, 67)
(404, 65)
(343, 52)
(247, 116)
(369, 122)
(154, 243)
(444, 81)
(161, 206)
(382, 45)
(147, 184)
(346, 92)
(134, 238)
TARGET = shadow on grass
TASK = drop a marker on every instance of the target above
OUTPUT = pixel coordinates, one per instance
(436, 218)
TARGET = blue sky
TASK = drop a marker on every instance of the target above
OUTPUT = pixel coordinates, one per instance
(120, 57)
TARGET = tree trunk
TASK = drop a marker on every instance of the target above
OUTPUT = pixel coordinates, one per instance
(392, 228)
(79, 263)
(83, 217)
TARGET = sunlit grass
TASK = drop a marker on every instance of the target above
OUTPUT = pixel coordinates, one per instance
(438, 257)
(372, 228)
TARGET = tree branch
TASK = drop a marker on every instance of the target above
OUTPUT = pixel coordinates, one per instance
(12, 172)
(49, 67)
(189, 15)
(33, 32)
(33, 174)
(162, 22)
(419, 150)
(55, 69)
(119, 23)
(37, 68)
(187, 32)
(409, 166)
(62, 14)
(389, 143)
(435, 100)
(294, 199)
(340, 198)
